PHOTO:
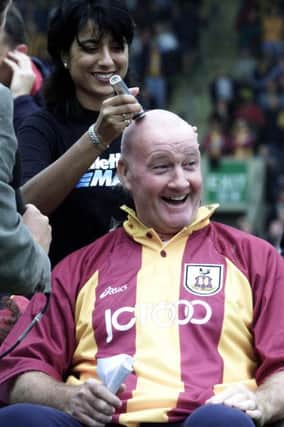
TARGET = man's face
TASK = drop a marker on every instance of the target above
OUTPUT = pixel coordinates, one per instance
(164, 177)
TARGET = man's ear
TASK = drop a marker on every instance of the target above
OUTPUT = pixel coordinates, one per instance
(123, 174)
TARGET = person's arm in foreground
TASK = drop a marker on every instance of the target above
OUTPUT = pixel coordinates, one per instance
(264, 406)
(88, 403)
(23, 263)
(45, 190)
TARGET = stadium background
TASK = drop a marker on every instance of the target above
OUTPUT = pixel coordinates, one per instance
(221, 66)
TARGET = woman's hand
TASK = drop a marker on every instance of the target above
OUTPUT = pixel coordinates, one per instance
(116, 113)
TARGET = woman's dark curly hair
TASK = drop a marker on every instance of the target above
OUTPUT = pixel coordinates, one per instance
(65, 23)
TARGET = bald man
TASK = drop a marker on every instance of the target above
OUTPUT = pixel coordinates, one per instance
(187, 298)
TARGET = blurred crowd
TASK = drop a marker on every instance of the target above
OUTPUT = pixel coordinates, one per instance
(166, 42)
(247, 117)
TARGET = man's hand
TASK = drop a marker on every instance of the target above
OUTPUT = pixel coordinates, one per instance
(240, 397)
(93, 404)
(38, 224)
(23, 76)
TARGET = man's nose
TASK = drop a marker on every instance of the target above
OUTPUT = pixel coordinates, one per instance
(180, 178)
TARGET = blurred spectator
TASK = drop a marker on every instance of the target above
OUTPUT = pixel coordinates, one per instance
(223, 88)
(248, 110)
(244, 66)
(275, 230)
(243, 224)
(269, 97)
(222, 112)
(272, 32)
(243, 139)
(21, 73)
(262, 73)
(248, 26)
(187, 25)
(155, 81)
(168, 45)
(216, 142)
(281, 91)
(276, 224)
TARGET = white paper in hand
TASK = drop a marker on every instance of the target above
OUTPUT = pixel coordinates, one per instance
(113, 370)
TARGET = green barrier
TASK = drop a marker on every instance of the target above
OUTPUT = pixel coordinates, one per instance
(237, 185)
(228, 184)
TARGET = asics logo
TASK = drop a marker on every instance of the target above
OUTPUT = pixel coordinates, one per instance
(112, 291)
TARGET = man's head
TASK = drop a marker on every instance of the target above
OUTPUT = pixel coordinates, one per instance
(160, 166)
(12, 37)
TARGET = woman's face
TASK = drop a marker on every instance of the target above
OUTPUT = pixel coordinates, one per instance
(93, 63)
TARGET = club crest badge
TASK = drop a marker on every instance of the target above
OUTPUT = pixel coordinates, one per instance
(203, 279)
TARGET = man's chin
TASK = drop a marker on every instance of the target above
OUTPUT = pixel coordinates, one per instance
(172, 229)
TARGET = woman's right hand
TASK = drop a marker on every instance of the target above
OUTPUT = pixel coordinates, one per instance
(115, 114)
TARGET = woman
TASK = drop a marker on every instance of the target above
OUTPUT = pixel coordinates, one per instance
(71, 147)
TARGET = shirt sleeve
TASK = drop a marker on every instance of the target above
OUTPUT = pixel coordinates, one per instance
(38, 143)
(24, 106)
(268, 327)
(23, 263)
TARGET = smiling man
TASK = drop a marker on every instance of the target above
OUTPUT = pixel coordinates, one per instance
(161, 169)
(186, 297)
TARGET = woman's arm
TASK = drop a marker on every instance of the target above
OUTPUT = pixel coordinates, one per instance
(48, 188)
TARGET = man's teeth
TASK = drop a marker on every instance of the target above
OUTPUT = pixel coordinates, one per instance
(177, 198)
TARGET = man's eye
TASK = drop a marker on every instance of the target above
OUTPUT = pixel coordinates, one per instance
(189, 165)
(161, 167)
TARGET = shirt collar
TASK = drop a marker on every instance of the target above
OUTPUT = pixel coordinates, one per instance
(139, 232)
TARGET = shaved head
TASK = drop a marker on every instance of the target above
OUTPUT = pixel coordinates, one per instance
(158, 125)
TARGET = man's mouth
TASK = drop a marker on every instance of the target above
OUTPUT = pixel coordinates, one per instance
(175, 200)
